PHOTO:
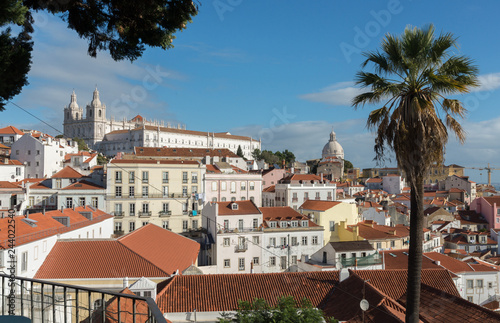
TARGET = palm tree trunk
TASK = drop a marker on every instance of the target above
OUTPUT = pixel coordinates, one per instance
(415, 252)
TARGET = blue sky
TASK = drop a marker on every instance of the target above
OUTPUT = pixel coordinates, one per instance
(277, 70)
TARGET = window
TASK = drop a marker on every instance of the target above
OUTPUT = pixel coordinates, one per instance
(283, 224)
(184, 225)
(81, 201)
(379, 245)
(214, 186)
(24, 261)
(304, 241)
(241, 263)
(184, 177)
(272, 242)
(226, 242)
(194, 224)
(29, 152)
(164, 224)
(165, 177)
(315, 240)
(479, 283)
(255, 260)
(131, 177)
(194, 177)
(95, 202)
(145, 191)
(18, 171)
(165, 191)
(118, 209)
(194, 189)
(294, 241)
(165, 207)
(223, 199)
(227, 263)
(69, 202)
(470, 299)
(283, 262)
(272, 261)
(145, 176)
(255, 240)
(37, 164)
(145, 223)
(131, 191)
(305, 223)
(147, 293)
(490, 285)
(272, 224)
(294, 224)
(145, 207)
(118, 226)
(131, 226)
(226, 224)
(283, 241)
(251, 186)
(131, 209)
(332, 225)
(184, 191)
(118, 191)
(240, 225)
(223, 186)
(317, 196)
(118, 177)
(393, 244)
(255, 223)
(294, 260)
(470, 283)
(243, 186)
(306, 196)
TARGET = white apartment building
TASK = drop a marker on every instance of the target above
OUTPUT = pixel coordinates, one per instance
(295, 189)
(232, 185)
(287, 236)
(11, 170)
(163, 192)
(12, 196)
(9, 135)
(42, 156)
(37, 235)
(236, 231)
(461, 183)
(393, 183)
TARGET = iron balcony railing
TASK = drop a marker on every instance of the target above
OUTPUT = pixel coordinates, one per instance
(44, 301)
(144, 214)
(370, 260)
(165, 213)
(241, 247)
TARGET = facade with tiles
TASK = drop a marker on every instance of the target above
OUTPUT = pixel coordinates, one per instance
(162, 192)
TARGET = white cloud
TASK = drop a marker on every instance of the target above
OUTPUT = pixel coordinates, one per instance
(488, 82)
(340, 93)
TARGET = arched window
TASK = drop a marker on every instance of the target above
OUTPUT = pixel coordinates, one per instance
(90, 113)
(100, 113)
(77, 116)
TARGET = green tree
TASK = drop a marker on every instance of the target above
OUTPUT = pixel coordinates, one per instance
(124, 28)
(413, 73)
(81, 144)
(15, 50)
(347, 165)
(101, 159)
(239, 152)
(288, 156)
(287, 310)
(256, 154)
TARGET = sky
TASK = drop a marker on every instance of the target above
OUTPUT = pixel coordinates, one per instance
(279, 71)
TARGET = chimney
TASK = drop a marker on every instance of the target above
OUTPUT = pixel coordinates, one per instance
(437, 262)
(125, 282)
(344, 274)
(43, 210)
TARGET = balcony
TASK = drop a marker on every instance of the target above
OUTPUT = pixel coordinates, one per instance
(118, 214)
(241, 247)
(295, 199)
(144, 214)
(370, 260)
(238, 230)
(119, 232)
(44, 301)
(165, 213)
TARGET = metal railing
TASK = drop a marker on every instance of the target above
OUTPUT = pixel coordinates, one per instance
(241, 247)
(165, 213)
(144, 214)
(44, 301)
(370, 260)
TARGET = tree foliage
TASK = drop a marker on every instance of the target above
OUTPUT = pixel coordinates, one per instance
(239, 152)
(123, 28)
(81, 144)
(274, 158)
(413, 74)
(286, 310)
(15, 50)
(347, 165)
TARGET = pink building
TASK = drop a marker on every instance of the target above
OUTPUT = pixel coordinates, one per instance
(489, 208)
(272, 176)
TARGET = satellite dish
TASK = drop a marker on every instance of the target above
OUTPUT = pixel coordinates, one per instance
(13, 176)
(364, 305)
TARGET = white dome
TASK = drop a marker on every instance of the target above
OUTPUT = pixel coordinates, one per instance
(333, 148)
(73, 104)
(95, 99)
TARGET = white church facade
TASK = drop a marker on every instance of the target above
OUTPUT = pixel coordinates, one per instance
(332, 159)
(111, 137)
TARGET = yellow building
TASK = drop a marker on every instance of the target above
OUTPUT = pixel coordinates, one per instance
(440, 173)
(328, 214)
(380, 236)
(162, 192)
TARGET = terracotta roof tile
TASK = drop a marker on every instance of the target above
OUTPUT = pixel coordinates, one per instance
(6, 184)
(243, 207)
(211, 169)
(82, 257)
(84, 185)
(398, 259)
(270, 189)
(67, 172)
(177, 253)
(208, 293)
(283, 213)
(454, 265)
(317, 205)
(2, 146)
(11, 130)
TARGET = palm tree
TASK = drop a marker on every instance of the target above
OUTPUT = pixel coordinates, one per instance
(413, 74)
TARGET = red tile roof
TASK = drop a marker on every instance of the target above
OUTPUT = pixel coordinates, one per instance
(84, 185)
(283, 213)
(67, 172)
(243, 207)
(167, 250)
(398, 259)
(270, 189)
(372, 231)
(10, 130)
(6, 184)
(2, 146)
(374, 180)
(318, 205)
(209, 293)
(454, 265)
(492, 200)
(95, 259)
(211, 169)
